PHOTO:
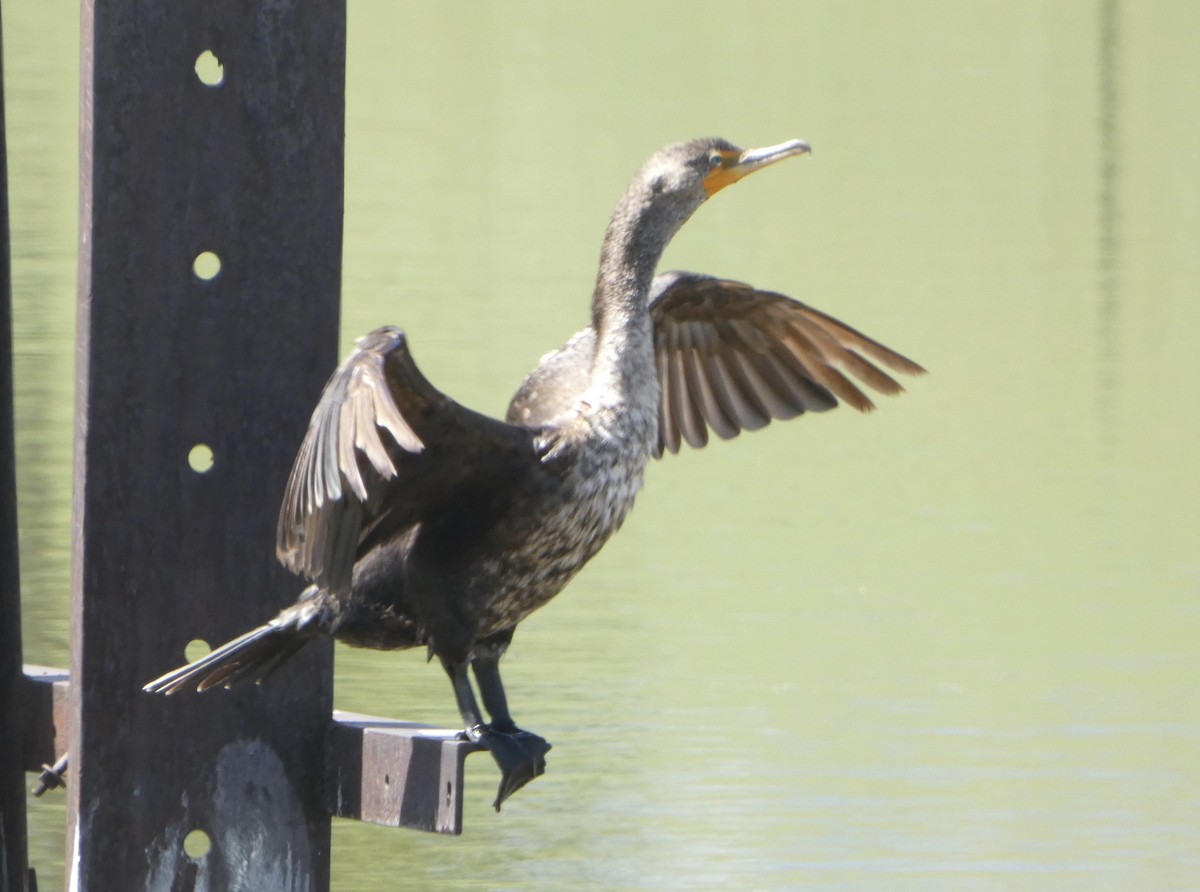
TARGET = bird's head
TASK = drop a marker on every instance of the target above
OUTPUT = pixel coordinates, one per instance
(677, 179)
(702, 167)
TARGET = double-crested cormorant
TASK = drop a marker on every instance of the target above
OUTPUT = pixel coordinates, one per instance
(421, 522)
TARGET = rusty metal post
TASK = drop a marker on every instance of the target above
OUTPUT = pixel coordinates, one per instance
(13, 852)
(210, 234)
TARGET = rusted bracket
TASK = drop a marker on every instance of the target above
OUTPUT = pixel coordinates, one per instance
(46, 709)
(384, 771)
(395, 773)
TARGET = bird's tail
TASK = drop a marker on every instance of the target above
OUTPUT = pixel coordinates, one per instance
(255, 655)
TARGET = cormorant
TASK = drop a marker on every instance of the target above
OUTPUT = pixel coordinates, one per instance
(421, 522)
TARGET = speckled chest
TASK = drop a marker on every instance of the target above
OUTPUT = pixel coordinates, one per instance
(602, 462)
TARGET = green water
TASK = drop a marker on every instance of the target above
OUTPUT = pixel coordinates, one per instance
(952, 645)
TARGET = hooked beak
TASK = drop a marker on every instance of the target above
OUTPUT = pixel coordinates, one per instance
(740, 165)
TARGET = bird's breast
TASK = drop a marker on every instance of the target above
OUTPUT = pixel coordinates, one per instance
(597, 464)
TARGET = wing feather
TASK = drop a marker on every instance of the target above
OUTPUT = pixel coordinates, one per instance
(668, 430)
(739, 408)
(700, 385)
(731, 358)
(366, 469)
(682, 406)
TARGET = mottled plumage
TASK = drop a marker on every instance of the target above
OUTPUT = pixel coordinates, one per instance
(422, 523)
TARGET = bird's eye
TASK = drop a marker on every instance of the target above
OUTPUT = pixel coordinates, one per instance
(715, 160)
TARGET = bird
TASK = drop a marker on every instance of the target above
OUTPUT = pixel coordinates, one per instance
(420, 522)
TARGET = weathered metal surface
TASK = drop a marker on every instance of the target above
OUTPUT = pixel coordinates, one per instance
(390, 772)
(12, 716)
(46, 706)
(400, 774)
(173, 165)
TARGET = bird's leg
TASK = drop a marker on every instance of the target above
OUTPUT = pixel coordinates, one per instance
(491, 688)
(465, 695)
(520, 754)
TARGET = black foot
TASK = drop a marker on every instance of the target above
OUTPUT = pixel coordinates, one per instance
(520, 755)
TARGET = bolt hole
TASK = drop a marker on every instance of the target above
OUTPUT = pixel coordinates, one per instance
(206, 266)
(196, 844)
(209, 69)
(387, 781)
(195, 649)
(200, 458)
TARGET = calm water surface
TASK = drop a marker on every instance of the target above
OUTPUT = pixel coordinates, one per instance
(951, 645)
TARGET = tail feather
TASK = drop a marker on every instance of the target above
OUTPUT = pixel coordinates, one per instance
(255, 655)
(260, 667)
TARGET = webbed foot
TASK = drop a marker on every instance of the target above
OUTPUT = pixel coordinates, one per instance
(520, 755)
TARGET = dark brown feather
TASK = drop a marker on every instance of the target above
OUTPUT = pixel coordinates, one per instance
(364, 471)
(731, 357)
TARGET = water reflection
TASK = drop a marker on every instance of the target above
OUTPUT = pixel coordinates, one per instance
(948, 646)
(1109, 147)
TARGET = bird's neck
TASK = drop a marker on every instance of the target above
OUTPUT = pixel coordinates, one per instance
(620, 311)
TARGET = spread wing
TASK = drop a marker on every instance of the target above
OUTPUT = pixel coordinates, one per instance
(731, 358)
(385, 449)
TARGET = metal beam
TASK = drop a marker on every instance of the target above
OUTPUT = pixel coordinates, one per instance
(13, 853)
(45, 704)
(399, 774)
(211, 133)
